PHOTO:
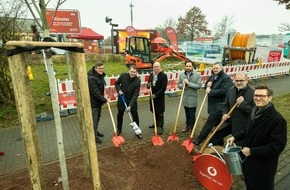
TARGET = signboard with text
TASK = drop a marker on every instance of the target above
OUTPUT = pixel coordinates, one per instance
(63, 21)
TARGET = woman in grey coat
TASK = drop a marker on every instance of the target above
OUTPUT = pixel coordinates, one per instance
(192, 81)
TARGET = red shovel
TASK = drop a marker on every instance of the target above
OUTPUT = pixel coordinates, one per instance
(188, 143)
(212, 134)
(156, 140)
(173, 137)
(117, 140)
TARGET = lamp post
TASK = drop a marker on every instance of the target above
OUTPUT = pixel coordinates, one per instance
(109, 20)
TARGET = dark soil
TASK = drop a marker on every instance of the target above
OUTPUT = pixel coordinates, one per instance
(144, 168)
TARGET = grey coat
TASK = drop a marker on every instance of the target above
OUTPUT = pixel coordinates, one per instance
(190, 96)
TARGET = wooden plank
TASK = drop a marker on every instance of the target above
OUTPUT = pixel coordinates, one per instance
(26, 113)
(85, 113)
(13, 44)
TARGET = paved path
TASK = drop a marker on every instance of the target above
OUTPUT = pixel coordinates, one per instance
(12, 144)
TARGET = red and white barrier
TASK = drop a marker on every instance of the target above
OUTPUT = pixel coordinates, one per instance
(67, 96)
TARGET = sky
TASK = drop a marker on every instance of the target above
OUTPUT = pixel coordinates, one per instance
(259, 16)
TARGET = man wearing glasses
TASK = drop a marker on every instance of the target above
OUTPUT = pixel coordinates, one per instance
(265, 137)
(241, 93)
(96, 88)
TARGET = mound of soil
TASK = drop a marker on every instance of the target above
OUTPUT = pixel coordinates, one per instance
(147, 167)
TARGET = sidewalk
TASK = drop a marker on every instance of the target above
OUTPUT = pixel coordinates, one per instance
(12, 144)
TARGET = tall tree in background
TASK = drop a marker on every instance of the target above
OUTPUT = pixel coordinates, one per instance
(284, 26)
(193, 24)
(223, 26)
(286, 2)
(11, 28)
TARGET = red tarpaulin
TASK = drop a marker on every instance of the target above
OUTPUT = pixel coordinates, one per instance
(87, 34)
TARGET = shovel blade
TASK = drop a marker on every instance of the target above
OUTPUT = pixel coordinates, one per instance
(195, 157)
(188, 145)
(156, 140)
(173, 138)
(118, 140)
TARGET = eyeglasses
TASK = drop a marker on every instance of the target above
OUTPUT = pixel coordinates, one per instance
(240, 80)
(260, 96)
(100, 67)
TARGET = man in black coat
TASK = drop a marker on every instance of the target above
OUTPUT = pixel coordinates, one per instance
(242, 94)
(96, 88)
(158, 83)
(265, 137)
(217, 87)
(128, 86)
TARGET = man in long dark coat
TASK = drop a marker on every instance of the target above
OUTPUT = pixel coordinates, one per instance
(158, 83)
(265, 137)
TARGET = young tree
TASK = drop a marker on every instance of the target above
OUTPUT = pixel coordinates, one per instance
(223, 26)
(193, 24)
(286, 2)
(11, 28)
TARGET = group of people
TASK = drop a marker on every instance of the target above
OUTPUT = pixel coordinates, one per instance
(254, 124)
(127, 86)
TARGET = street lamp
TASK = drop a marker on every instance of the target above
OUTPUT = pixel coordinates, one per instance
(109, 20)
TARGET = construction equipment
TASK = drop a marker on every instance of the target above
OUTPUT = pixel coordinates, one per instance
(138, 52)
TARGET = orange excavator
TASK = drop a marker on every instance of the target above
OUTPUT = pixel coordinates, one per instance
(138, 52)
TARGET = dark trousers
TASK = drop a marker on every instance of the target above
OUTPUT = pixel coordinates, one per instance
(120, 118)
(159, 120)
(217, 139)
(212, 121)
(190, 116)
(96, 114)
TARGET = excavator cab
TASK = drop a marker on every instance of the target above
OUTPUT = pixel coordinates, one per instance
(138, 53)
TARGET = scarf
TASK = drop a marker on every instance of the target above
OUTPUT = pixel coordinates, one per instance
(256, 113)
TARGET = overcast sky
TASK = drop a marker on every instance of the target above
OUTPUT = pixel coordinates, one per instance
(259, 16)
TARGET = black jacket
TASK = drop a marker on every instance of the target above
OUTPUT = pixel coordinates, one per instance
(266, 137)
(240, 116)
(217, 96)
(159, 91)
(130, 88)
(96, 87)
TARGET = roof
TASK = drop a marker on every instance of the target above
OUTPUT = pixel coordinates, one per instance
(87, 34)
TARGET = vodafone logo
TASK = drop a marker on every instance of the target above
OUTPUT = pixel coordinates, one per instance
(211, 171)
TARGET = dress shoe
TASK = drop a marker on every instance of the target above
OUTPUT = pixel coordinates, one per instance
(119, 131)
(99, 134)
(98, 140)
(151, 126)
(197, 141)
(160, 131)
(139, 136)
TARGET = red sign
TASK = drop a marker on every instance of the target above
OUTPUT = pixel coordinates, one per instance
(274, 56)
(65, 21)
(212, 172)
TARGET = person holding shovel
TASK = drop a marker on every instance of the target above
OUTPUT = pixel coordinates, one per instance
(265, 137)
(241, 93)
(192, 81)
(217, 87)
(97, 84)
(158, 83)
(128, 86)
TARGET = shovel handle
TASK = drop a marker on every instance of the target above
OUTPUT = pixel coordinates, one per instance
(179, 106)
(153, 110)
(216, 129)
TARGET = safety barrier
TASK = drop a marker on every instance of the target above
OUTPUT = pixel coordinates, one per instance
(254, 71)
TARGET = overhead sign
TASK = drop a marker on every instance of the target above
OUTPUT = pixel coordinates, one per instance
(63, 21)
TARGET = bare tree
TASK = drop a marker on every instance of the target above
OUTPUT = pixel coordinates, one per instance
(11, 28)
(161, 28)
(286, 2)
(284, 26)
(193, 24)
(223, 26)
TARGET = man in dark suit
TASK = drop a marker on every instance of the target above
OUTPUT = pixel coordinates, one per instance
(158, 83)
(265, 137)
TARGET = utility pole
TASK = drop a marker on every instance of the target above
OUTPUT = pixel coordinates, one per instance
(131, 8)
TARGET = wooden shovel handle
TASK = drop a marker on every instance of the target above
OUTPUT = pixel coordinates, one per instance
(153, 110)
(179, 106)
(216, 129)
